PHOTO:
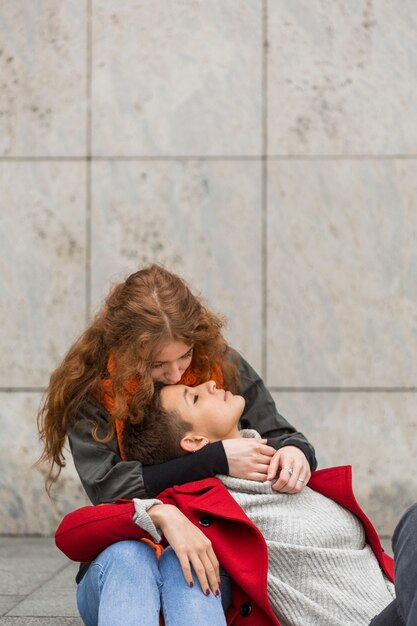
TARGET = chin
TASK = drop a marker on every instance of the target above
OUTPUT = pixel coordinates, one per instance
(240, 401)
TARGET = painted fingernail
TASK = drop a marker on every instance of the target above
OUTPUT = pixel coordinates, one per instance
(217, 592)
(207, 592)
(191, 584)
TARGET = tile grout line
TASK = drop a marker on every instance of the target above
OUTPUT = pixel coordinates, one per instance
(264, 182)
(44, 582)
(22, 390)
(88, 236)
(217, 157)
(342, 157)
(88, 190)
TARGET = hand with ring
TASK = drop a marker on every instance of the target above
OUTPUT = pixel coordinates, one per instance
(290, 469)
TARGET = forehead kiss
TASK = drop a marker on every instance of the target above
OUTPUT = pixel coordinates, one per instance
(170, 363)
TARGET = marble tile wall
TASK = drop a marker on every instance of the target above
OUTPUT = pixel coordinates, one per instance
(266, 151)
(372, 431)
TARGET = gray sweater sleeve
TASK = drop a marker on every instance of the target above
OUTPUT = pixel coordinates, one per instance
(261, 414)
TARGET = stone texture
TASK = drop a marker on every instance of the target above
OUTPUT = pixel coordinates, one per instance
(177, 78)
(27, 563)
(61, 587)
(201, 219)
(8, 602)
(373, 432)
(45, 579)
(342, 267)
(42, 239)
(26, 509)
(43, 78)
(341, 77)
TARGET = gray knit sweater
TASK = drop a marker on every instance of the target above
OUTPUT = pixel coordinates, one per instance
(321, 572)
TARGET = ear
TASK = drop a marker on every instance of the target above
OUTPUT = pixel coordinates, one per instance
(192, 442)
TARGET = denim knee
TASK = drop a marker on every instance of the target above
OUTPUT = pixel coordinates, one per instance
(129, 554)
(169, 560)
(128, 548)
(121, 587)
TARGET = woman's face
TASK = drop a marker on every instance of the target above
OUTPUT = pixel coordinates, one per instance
(170, 364)
(213, 413)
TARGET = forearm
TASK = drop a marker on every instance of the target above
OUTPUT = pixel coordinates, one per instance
(106, 477)
(86, 532)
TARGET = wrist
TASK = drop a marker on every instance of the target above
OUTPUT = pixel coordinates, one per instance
(154, 512)
(143, 518)
(159, 513)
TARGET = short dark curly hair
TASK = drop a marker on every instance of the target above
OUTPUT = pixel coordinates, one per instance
(156, 439)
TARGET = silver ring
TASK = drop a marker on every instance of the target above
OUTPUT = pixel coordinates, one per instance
(300, 480)
(289, 470)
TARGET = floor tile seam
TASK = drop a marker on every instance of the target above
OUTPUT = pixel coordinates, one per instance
(10, 595)
(44, 582)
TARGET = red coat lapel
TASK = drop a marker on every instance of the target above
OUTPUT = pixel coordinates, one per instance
(237, 542)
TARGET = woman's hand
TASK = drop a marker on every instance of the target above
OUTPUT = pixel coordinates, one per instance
(291, 469)
(248, 458)
(190, 545)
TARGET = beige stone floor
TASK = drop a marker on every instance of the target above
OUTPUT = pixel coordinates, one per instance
(37, 584)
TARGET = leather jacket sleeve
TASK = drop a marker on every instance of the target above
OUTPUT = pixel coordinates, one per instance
(105, 477)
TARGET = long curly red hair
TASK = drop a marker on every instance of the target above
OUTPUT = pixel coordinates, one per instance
(140, 316)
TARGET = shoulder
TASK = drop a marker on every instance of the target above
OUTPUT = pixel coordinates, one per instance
(91, 407)
(246, 371)
(89, 412)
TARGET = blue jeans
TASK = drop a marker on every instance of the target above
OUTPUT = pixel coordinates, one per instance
(127, 585)
(403, 610)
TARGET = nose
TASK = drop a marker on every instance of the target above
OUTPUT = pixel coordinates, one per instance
(173, 374)
(211, 386)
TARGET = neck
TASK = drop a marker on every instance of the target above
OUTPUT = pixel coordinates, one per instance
(234, 434)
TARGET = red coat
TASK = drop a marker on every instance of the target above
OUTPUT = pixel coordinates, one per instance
(237, 542)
